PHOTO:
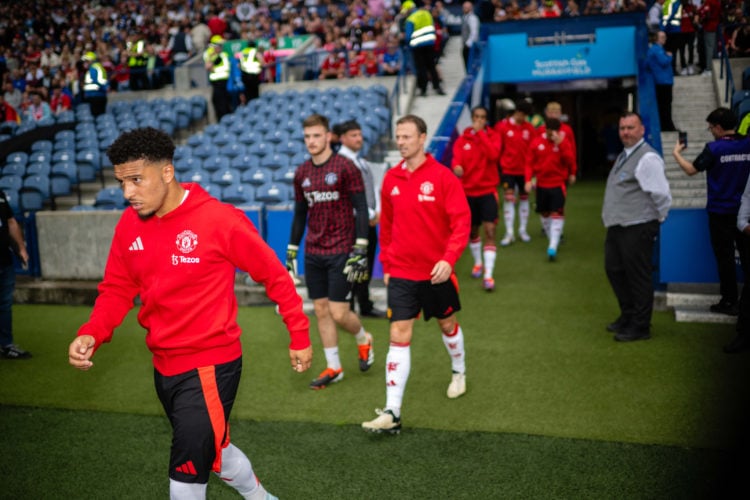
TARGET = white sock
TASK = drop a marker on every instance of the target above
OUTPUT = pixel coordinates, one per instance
(523, 215)
(490, 252)
(397, 368)
(332, 357)
(509, 214)
(454, 343)
(545, 225)
(361, 336)
(556, 229)
(476, 251)
(186, 491)
(237, 472)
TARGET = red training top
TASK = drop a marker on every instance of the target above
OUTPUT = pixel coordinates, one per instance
(477, 154)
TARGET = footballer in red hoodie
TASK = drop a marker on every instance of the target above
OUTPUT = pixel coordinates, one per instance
(178, 249)
(475, 155)
(552, 163)
(424, 227)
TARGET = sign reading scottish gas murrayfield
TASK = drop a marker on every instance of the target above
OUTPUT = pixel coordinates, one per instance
(611, 54)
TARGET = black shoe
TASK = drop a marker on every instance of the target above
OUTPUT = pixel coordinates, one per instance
(726, 307)
(12, 351)
(627, 335)
(738, 344)
(617, 325)
(374, 313)
(439, 91)
(423, 93)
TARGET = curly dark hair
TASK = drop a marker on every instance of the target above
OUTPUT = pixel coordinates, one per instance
(147, 143)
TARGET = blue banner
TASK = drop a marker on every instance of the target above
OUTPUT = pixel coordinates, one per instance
(610, 55)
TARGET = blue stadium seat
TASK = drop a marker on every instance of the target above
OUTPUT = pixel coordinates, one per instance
(257, 176)
(285, 175)
(212, 189)
(60, 184)
(276, 136)
(275, 161)
(35, 192)
(214, 129)
(42, 146)
(67, 169)
(737, 97)
(244, 162)
(215, 162)
(223, 138)
(13, 199)
(61, 156)
(15, 168)
(197, 175)
(272, 192)
(39, 168)
(182, 151)
(250, 137)
(187, 164)
(65, 135)
(90, 156)
(225, 177)
(64, 144)
(110, 198)
(290, 148)
(260, 149)
(299, 159)
(205, 150)
(197, 140)
(237, 194)
(233, 149)
(18, 157)
(14, 182)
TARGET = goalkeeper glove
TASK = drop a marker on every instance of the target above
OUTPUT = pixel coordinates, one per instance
(356, 265)
(291, 262)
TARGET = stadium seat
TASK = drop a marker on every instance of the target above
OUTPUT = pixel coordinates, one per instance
(82, 208)
(212, 189)
(205, 150)
(225, 177)
(38, 168)
(61, 156)
(299, 159)
(13, 199)
(737, 97)
(244, 162)
(260, 149)
(197, 175)
(187, 164)
(223, 138)
(250, 137)
(110, 198)
(65, 144)
(285, 175)
(66, 168)
(15, 182)
(272, 192)
(34, 193)
(65, 135)
(182, 151)
(232, 150)
(257, 176)
(60, 184)
(290, 148)
(275, 161)
(237, 194)
(215, 162)
(197, 139)
(18, 157)
(214, 129)
(42, 146)
(15, 168)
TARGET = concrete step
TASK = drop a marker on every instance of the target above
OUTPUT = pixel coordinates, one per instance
(694, 308)
(689, 315)
(689, 192)
(699, 202)
(691, 300)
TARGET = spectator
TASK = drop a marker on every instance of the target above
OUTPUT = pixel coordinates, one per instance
(419, 32)
(333, 67)
(390, 61)
(95, 84)
(181, 44)
(709, 14)
(550, 8)
(9, 117)
(469, 31)
(571, 9)
(687, 37)
(59, 101)
(727, 170)
(659, 64)
(38, 109)
(12, 95)
(216, 62)
(11, 240)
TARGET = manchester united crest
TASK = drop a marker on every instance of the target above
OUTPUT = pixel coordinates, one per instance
(186, 241)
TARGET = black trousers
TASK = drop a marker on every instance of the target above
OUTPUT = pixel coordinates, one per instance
(743, 320)
(628, 262)
(664, 103)
(220, 98)
(424, 62)
(252, 85)
(725, 237)
(361, 291)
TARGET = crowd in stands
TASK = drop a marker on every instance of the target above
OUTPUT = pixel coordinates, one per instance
(138, 42)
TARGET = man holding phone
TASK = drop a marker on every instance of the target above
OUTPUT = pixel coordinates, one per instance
(727, 169)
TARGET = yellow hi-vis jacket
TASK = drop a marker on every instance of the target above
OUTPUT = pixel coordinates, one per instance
(220, 62)
(249, 62)
(420, 28)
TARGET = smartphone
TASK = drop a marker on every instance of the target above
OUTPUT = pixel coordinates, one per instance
(682, 138)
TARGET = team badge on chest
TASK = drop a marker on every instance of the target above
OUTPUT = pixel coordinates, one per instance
(186, 241)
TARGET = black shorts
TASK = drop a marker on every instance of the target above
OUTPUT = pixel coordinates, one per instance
(198, 404)
(513, 182)
(483, 208)
(325, 278)
(550, 199)
(406, 298)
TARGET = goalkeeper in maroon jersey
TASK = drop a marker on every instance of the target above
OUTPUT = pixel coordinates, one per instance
(551, 162)
(330, 200)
